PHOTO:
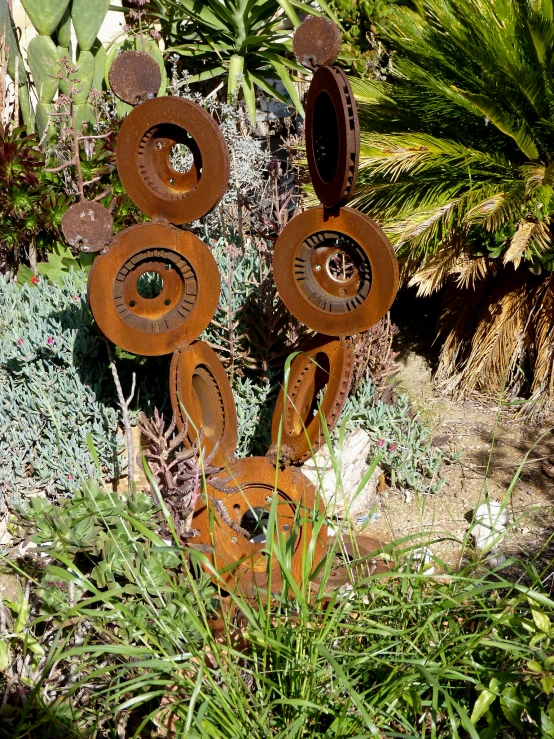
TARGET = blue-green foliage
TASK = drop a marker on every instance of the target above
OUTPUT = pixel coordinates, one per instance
(399, 436)
(53, 380)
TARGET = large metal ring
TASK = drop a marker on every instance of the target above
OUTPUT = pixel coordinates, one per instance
(155, 289)
(332, 136)
(202, 400)
(336, 272)
(231, 524)
(323, 366)
(144, 145)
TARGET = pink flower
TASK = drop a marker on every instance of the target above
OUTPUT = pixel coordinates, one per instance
(70, 477)
(380, 443)
(393, 447)
(35, 280)
(20, 342)
(50, 341)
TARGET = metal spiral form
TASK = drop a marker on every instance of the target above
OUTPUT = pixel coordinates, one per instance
(334, 269)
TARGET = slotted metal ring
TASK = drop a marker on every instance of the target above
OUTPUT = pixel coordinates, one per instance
(336, 272)
(144, 147)
(202, 399)
(176, 314)
(241, 561)
(332, 136)
(324, 366)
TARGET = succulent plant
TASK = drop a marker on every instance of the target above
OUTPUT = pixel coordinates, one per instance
(45, 15)
(88, 16)
(43, 58)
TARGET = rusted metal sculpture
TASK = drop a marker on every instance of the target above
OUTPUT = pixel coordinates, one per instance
(324, 366)
(203, 403)
(88, 226)
(135, 77)
(144, 145)
(233, 524)
(317, 42)
(156, 288)
(335, 271)
(332, 136)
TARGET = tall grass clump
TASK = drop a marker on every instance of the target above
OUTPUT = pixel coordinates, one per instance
(399, 654)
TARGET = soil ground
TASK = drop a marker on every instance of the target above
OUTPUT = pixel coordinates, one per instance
(492, 445)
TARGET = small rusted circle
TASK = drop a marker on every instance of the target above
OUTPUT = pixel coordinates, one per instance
(231, 525)
(332, 136)
(202, 401)
(87, 226)
(324, 367)
(317, 42)
(177, 313)
(306, 277)
(135, 77)
(145, 152)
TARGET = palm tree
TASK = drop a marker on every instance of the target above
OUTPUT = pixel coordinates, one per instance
(457, 163)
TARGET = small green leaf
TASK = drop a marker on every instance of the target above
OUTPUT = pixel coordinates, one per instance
(4, 655)
(541, 620)
(534, 666)
(482, 705)
(20, 622)
(547, 684)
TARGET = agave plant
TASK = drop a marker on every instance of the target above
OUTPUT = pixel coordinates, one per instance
(245, 43)
(458, 164)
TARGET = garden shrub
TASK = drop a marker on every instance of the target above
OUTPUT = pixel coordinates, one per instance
(54, 384)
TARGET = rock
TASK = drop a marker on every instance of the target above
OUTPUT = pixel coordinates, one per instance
(342, 497)
(490, 520)
(5, 536)
(9, 586)
(421, 560)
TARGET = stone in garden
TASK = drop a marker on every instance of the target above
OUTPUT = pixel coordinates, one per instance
(490, 520)
(342, 498)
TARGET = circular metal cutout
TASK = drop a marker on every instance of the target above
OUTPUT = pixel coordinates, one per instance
(231, 525)
(332, 136)
(323, 367)
(178, 313)
(202, 399)
(336, 272)
(144, 147)
(135, 77)
(317, 41)
(87, 226)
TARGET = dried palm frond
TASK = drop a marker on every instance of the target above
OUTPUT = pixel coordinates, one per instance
(374, 356)
(499, 338)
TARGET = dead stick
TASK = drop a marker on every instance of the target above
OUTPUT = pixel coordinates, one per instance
(124, 405)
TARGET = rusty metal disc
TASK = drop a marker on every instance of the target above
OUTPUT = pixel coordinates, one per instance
(135, 77)
(231, 524)
(87, 226)
(332, 136)
(324, 366)
(202, 400)
(335, 271)
(155, 289)
(151, 136)
(317, 42)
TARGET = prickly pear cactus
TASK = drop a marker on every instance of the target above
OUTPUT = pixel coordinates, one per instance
(46, 15)
(88, 16)
(43, 58)
(83, 114)
(100, 57)
(81, 80)
(63, 32)
(45, 127)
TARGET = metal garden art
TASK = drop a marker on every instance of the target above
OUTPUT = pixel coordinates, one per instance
(154, 289)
